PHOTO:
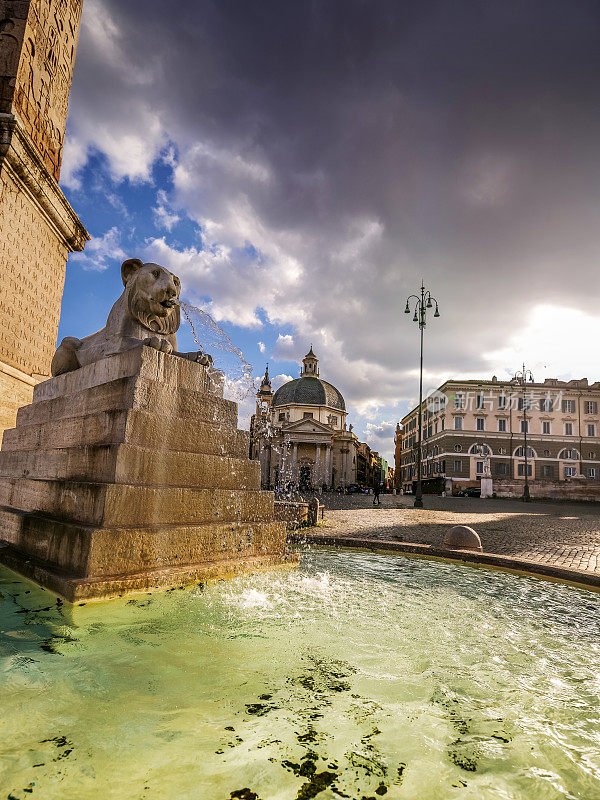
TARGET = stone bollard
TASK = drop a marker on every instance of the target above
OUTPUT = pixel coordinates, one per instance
(461, 537)
(314, 507)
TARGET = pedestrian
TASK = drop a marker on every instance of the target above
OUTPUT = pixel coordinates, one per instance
(376, 494)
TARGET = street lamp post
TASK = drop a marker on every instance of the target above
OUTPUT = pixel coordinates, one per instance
(422, 303)
(522, 378)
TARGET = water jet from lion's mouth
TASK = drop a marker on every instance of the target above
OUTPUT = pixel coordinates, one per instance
(210, 337)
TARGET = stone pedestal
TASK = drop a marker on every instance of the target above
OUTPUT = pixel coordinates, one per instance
(130, 474)
(487, 487)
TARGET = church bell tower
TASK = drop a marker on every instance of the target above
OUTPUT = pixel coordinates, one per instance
(310, 365)
(264, 396)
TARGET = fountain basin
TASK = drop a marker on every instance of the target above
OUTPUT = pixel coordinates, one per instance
(355, 675)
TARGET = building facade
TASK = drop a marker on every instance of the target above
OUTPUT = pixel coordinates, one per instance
(299, 433)
(38, 227)
(467, 421)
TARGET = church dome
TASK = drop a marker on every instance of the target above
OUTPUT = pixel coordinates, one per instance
(310, 391)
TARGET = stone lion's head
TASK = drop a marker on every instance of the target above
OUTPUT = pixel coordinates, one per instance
(152, 292)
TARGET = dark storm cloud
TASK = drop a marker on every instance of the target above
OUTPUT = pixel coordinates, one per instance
(376, 143)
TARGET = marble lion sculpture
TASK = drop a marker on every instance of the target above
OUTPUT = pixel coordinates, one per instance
(146, 313)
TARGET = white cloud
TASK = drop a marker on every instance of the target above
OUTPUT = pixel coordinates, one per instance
(279, 380)
(285, 347)
(556, 341)
(100, 250)
(164, 216)
(261, 347)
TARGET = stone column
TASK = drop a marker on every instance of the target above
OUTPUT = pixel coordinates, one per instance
(318, 478)
(328, 465)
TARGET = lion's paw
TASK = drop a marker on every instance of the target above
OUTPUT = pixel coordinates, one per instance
(158, 343)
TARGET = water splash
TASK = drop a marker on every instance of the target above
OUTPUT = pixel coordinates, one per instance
(212, 339)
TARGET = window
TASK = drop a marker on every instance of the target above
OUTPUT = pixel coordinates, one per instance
(519, 452)
(479, 467)
(524, 426)
(333, 421)
(591, 407)
(545, 427)
(568, 429)
(570, 454)
(502, 425)
(480, 401)
(547, 471)
(282, 417)
(502, 469)
(591, 430)
(457, 448)
(521, 470)
(480, 422)
(525, 403)
(458, 423)
(458, 401)
(307, 415)
(568, 406)
(436, 426)
(547, 453)
(546, 404)
(502, 451)
(570, 472)
(592, 454)
(592, 472)
(457, 466)
(443, 423)
(502, 402)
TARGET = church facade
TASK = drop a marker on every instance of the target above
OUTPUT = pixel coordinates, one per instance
(299, 433)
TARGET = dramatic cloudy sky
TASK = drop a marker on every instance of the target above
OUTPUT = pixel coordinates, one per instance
(302, 165)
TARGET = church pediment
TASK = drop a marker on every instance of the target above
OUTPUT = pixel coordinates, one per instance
(307, 426)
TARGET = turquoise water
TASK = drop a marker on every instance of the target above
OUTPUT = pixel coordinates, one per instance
(355, 676)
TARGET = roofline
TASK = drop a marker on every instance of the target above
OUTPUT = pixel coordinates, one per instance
(549, 383)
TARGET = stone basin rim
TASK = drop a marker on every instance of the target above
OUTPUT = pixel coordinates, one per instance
(538, 569)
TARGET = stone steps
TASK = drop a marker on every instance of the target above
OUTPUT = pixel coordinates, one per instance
(138, 363)
(85, 550)
(131, 467)
(118, 505)
(124, 463)
(132, 427)
(132, 394)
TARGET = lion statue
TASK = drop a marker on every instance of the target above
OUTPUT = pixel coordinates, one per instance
(146, 313)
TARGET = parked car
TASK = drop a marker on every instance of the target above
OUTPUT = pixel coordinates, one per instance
(352, 488)
(470, 491)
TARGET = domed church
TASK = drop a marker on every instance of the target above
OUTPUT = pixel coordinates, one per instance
(299, 433)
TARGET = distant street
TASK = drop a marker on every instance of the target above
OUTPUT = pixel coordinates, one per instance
(563, 534)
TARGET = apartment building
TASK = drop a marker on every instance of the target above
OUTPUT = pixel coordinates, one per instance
(465, 420)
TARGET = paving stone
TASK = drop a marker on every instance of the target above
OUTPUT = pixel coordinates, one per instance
(562, 534)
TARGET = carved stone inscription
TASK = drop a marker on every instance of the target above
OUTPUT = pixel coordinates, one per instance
(38, 40)
(31, 282)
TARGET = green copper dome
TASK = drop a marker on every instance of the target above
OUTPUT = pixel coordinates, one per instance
(309, 391)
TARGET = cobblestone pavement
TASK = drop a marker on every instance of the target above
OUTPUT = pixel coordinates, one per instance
(562, 534)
